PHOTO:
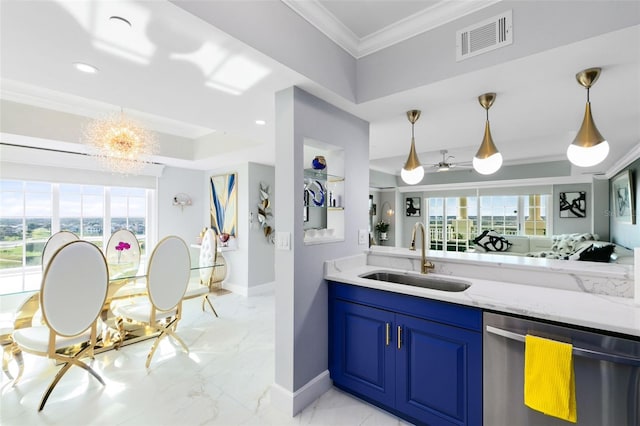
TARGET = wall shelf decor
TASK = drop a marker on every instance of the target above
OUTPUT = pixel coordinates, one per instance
(264, 213)
(324, 193)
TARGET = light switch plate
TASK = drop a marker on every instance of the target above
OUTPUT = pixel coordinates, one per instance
(363, 236)
(283, 240)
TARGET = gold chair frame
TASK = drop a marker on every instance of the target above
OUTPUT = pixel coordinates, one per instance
(172, 315)
(68, 355)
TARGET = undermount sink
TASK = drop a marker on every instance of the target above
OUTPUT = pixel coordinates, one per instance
(423, 281)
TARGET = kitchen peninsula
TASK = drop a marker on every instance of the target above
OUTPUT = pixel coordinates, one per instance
(587, 294)
(450, 354)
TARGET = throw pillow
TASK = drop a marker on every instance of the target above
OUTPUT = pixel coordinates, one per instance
(597, 254)
(490, 240)
(547, 255)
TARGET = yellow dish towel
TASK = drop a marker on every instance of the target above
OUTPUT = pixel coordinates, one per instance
(549, 383)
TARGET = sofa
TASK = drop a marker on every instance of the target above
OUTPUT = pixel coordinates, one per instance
(576, 246)
(519, 245)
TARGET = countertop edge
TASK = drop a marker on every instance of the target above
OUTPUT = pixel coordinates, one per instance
(600, 312)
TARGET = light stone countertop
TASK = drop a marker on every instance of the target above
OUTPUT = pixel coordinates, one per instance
(597, 311)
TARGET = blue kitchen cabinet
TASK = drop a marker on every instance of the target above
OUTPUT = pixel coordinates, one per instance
(366, 358)
(403, 354)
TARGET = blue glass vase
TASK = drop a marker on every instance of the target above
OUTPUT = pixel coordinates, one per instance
(319, 163)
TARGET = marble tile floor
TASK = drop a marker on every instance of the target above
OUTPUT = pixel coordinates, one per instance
(225, 380)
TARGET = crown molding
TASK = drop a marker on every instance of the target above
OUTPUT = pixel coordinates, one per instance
(623, 162)
(435, 16)
(317, 15)
(432, 17)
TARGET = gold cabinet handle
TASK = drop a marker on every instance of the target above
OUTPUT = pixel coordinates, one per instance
(399, 337)
(388, 335)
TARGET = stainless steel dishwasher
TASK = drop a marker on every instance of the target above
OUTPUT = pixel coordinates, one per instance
(606, 367)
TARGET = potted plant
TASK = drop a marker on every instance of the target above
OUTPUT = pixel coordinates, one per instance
(382, 227)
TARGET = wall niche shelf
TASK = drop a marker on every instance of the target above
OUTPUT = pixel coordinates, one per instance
(324, 194)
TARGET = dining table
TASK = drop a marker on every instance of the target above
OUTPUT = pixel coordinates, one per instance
(126, 283)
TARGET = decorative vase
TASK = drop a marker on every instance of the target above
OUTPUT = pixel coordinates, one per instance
(383, 236)
(319, 163)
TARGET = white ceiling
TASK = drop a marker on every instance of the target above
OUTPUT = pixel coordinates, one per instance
(182, 76)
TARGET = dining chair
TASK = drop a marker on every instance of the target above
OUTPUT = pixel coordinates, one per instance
(167, 279)
(54, 242)
(72, 295)
(207, 260)
(31, 308)
(122, 253)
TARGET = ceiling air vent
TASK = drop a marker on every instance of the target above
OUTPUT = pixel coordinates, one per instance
(484, 36)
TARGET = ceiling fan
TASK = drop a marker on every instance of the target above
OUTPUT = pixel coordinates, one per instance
(447, 163)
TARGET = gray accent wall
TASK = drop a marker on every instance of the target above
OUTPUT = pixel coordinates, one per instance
(389, 197)
(520, 171)
(537, 26)
(301, 335)
(601, 212)
(381, 180)
(626, 234)
(408, 222)
(562, 225)
(261, 267)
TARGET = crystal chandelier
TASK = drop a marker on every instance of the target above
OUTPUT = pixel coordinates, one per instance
(121, 145)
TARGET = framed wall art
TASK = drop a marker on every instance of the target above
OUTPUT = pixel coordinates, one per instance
(412, 206)
(573, 204)
(224, 205)
(623, 198)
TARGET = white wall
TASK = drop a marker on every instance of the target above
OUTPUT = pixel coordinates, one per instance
(301, 292)
(184, 222)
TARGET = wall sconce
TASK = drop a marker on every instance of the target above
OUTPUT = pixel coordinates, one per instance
(389, 211)
(181, 200)
(589, 147)
(412, 172)
(487, 160)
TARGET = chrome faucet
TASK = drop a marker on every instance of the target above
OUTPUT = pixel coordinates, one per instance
(425, 265)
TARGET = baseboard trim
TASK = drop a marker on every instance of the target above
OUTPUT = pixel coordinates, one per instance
(294, 402)
(262, 289)
(245, 291)
(235, 288)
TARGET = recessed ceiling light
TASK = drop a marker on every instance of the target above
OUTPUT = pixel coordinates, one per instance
(261, 122)
(120, 21)
(81, 66)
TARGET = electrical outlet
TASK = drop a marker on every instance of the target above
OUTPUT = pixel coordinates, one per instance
(363, 236)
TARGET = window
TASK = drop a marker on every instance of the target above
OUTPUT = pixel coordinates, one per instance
(128, 211)
(453, 222)
(31, 211)
(499, 213)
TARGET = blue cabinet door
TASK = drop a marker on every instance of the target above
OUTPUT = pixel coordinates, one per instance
(439, 373)
(363, 357)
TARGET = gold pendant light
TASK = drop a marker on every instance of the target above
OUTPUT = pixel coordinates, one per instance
(487, 160)
(589, 147)
(412, 172)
